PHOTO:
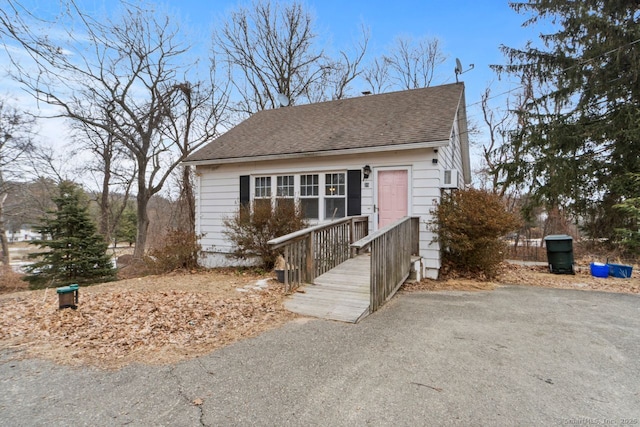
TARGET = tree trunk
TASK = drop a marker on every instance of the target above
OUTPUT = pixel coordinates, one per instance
(6, 259)
(105, 208)
(143, 223)
(189, 198)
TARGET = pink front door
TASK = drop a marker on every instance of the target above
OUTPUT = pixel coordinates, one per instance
(393, 195)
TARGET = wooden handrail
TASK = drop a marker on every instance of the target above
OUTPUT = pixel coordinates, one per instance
(366, 241)
(391, 250)
(317, 249)
(278, 242)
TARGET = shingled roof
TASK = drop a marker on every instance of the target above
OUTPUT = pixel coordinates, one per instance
(418, 116)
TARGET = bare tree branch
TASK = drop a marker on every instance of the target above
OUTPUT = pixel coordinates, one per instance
(16, 132)
(410, 64)
(377, 75)
(272, 47)
(120, 76)
(344, 70)
(415, 61)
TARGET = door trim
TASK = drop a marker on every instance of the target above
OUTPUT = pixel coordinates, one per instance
(375, 189)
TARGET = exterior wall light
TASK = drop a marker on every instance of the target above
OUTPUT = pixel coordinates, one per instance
(366, 171)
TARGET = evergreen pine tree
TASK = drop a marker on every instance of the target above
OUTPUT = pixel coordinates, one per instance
(580, 135)
(127, 227)
(77, 254)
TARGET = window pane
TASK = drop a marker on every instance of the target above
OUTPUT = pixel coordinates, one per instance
(308, 185)
(309, 208)
(334, 184)
(263, 186)
(285, 186)
(334, 208)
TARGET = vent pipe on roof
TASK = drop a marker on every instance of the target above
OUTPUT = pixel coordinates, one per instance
(283, 100)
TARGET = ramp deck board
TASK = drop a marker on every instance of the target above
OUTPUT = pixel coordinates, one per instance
(342, 293)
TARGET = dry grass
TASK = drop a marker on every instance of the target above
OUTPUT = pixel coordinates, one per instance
(155, 319)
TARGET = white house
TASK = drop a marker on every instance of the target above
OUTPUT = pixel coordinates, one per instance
(385, 156)
(24, 235)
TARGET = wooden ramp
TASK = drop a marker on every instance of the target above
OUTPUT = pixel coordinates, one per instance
(340, 294)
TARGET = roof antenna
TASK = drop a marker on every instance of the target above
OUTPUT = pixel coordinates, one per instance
(283, 100)
(458, 69)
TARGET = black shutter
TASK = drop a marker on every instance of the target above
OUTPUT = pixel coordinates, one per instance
(354, 192)
(244, 190)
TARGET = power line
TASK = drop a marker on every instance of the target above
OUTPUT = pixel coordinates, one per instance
(582, 62)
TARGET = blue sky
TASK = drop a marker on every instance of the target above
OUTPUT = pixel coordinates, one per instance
(467, 29)
(471, 30)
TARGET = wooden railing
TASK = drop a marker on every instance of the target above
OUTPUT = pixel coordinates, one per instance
(391, 250)
(315, 250)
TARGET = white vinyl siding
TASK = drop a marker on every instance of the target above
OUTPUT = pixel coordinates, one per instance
(450, 156)
(219, 192)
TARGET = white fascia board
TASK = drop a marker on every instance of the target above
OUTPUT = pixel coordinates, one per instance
(364, 150)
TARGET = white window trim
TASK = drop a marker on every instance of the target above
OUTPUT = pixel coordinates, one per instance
(252, 181)
(300, 197)
(295, 186)
(297, 189)
(336, 197)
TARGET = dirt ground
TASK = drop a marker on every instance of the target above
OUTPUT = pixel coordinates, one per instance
(178, 316)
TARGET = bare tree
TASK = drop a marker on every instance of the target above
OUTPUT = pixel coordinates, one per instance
(28, 202)
(126, 76)
(112, 169)
(500, 154)
(341, 72)
(377, 75)
(410, 64)
(504, 157)
(193, 116)
(271, 50)
(415, 61)
(15, 143)
(494, 153)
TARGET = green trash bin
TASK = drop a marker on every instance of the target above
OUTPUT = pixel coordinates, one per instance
(560, 253)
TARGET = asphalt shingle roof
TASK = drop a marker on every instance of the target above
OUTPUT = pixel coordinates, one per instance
(406, 117)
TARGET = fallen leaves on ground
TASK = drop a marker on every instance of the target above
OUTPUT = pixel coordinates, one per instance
(449, 285)
(540, 276)
(514, 274)
(152, 319)
(173, 317)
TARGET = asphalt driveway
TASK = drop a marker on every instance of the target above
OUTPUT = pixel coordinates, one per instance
(513, 356)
